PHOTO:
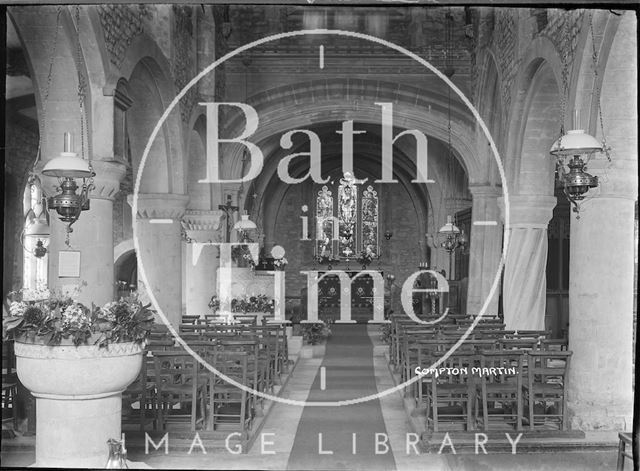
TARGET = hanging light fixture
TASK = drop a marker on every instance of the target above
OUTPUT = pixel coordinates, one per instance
(574, 149)
(35, 235)
(449, 236)
(67, 167)
(245, 227)
(569, 151)
(38, 230)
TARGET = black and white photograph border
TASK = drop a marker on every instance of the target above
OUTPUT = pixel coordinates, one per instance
(320, 235)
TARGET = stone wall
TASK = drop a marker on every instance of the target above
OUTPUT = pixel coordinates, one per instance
(120, 25)
(184, 53)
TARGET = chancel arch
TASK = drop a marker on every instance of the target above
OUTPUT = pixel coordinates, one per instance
(317, 101)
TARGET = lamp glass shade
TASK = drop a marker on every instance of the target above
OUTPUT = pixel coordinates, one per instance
(69, 165)
(245, 224)
(576, 142)
(449, 227)
(38, 228)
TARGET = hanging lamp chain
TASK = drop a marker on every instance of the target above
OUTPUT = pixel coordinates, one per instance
(82, 86)
(597, 89)
(33, 176)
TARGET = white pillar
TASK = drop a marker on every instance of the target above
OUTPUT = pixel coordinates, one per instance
(158, 231)
(201, 261)
(92, 237)
(485, 249)
(525, 277)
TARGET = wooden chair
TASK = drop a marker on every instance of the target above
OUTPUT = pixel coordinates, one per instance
(247, 319)
(256, 374)
(624, 442)
(180, 387)
(229, 405)
(525, 344)
(451, 397)
(192, 320)
(554, 344)
(9, 386)
(545, 389)
(500, 390)
(143, 392)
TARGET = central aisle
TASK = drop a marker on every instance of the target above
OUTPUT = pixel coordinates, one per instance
(348, 364)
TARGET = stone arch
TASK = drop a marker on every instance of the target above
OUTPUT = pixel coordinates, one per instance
(324, 100)
(611, 61)
(122, 249)
(535, 122)
(149, 75)
(164, 172)
(491, 108)
(37, 42)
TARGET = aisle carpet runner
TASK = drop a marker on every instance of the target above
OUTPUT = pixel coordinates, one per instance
(348, 364)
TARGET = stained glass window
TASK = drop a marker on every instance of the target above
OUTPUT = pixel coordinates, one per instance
(324, 223)
(354, 228)
(347, 217)
(370, 221)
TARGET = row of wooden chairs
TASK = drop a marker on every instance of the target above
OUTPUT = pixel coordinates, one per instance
(175, 387)
(491, 390)
(535, 380)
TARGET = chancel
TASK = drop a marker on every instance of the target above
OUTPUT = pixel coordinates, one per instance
(252, 236)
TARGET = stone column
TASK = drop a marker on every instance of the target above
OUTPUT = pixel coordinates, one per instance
(601, 310)
(525, 278)
(601, 268)
(201, 260)
(485, 249)
(92, 236)
(160, 251)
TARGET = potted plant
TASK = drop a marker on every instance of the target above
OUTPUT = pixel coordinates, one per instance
(76, 361)
(314, 335)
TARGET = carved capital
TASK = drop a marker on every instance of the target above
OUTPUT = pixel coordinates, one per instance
(534, 211)
(203, 226)
(160, 205)
(106, 183)
(485, 191)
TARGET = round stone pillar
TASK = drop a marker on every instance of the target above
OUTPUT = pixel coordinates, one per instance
(485, 249)
(525, 271)
(91, 239)
(601, 300)
(201, 264)
(601, 267)
(157, 228)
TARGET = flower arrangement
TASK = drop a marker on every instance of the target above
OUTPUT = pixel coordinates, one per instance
(55, 317)
(315, 332)
(242, 256)
(245, 304)
(280, 263)
(366, 256)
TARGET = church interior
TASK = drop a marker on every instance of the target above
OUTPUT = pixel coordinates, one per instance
(346, 236)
